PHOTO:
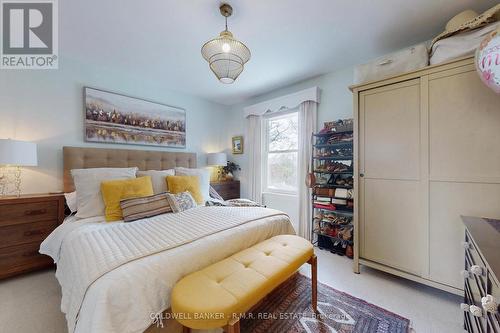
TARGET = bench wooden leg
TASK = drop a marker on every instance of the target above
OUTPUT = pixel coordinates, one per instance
(314, 281)
(233, 327)
(186, 329)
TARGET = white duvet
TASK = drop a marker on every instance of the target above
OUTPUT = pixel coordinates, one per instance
(114, 276)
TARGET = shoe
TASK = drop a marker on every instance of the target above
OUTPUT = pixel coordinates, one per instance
(349, 251)
(339, 181)
(340, 167)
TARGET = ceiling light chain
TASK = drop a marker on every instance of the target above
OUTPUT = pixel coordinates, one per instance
(226, 55)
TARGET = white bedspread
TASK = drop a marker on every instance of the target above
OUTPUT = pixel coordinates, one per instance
(115, 275)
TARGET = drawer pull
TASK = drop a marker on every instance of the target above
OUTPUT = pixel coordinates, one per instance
(489, 304)
(466, 274)
(466, 245)
(35, 212)
(30, 253)
(464, 307)
(34, 232)
(476, 270)
(476, 311)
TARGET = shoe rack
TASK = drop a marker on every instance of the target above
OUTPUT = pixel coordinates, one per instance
(332, 189)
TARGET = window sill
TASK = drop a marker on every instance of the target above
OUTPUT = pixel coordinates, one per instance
(282, 194)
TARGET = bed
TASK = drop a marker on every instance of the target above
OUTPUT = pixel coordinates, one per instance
(117, 277)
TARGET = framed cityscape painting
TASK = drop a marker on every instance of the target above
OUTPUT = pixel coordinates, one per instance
(115, 118)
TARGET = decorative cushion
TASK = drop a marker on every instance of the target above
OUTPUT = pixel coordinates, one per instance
(139, 208)
(178, 184)
(157, 178)
(243, 203)
(204, 176)
(233, 203)
(181, 201)
(88, 188)
(71, 201)
(214, 194)
(115, 190)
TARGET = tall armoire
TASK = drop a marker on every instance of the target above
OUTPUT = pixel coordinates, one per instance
(427, 150)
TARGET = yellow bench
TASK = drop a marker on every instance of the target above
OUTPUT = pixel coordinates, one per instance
(218, 295)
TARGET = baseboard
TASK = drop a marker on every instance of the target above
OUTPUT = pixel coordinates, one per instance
(411, 277)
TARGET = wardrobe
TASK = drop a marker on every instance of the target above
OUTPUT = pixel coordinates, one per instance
(427, 150)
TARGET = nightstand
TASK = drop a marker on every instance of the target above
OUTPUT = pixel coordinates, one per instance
(25, 222)
(229, 189)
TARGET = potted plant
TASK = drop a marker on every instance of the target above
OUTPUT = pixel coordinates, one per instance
(227, 171)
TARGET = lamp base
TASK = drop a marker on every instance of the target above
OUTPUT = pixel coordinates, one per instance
(9, 179)
(17, 181)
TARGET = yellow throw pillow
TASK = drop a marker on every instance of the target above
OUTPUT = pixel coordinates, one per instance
(115, 190)
(178, 184)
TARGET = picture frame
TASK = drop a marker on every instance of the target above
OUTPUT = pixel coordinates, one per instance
(237, 144)
(115, 118)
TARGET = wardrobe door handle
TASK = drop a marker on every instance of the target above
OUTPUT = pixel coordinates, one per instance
(361, 175)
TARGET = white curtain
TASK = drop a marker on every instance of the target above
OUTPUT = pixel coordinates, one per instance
(307, 125)
(254, 138)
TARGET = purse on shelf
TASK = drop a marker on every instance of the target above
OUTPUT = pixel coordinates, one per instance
(310, 179)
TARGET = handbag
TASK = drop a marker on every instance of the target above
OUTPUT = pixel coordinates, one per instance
(310, 178)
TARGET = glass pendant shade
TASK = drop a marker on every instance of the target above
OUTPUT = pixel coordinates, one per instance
(226, 56)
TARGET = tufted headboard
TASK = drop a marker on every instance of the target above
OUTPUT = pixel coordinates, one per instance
(84, 158)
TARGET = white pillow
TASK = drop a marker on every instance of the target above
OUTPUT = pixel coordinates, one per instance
(203, 175)
(88, 188)
(71, 201)
(158, 178)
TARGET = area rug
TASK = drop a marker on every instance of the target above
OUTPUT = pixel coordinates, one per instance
(288, 310)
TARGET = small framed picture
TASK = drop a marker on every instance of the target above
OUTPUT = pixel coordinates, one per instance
(237, 145)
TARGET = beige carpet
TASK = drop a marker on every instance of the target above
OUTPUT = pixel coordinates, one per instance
(30, 303)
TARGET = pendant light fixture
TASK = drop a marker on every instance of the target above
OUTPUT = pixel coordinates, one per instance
(225, 54)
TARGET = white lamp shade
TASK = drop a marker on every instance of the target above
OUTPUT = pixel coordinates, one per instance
(216, 159)
(18, 153)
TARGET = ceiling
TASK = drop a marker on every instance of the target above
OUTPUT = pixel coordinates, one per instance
(290, 40)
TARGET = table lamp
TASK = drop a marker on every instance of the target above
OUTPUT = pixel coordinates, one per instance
(217, 160)
(16, 153)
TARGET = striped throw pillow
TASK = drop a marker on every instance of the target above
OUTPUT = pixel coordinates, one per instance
(139, 208)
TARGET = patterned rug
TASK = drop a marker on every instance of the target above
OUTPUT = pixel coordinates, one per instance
(288, 310)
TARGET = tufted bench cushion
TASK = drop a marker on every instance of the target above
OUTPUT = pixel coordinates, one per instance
(216, 295)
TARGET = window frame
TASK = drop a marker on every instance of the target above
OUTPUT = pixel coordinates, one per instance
(265, 148)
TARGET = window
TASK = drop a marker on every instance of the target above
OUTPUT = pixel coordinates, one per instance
(281, 153)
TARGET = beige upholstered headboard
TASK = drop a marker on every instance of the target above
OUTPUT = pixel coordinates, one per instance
(84, 158)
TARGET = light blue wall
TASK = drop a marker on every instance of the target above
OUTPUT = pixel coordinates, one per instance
(46, 106)
(335, 103)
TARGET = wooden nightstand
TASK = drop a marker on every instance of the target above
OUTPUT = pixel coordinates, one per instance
(227, 189)
(24, 223)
